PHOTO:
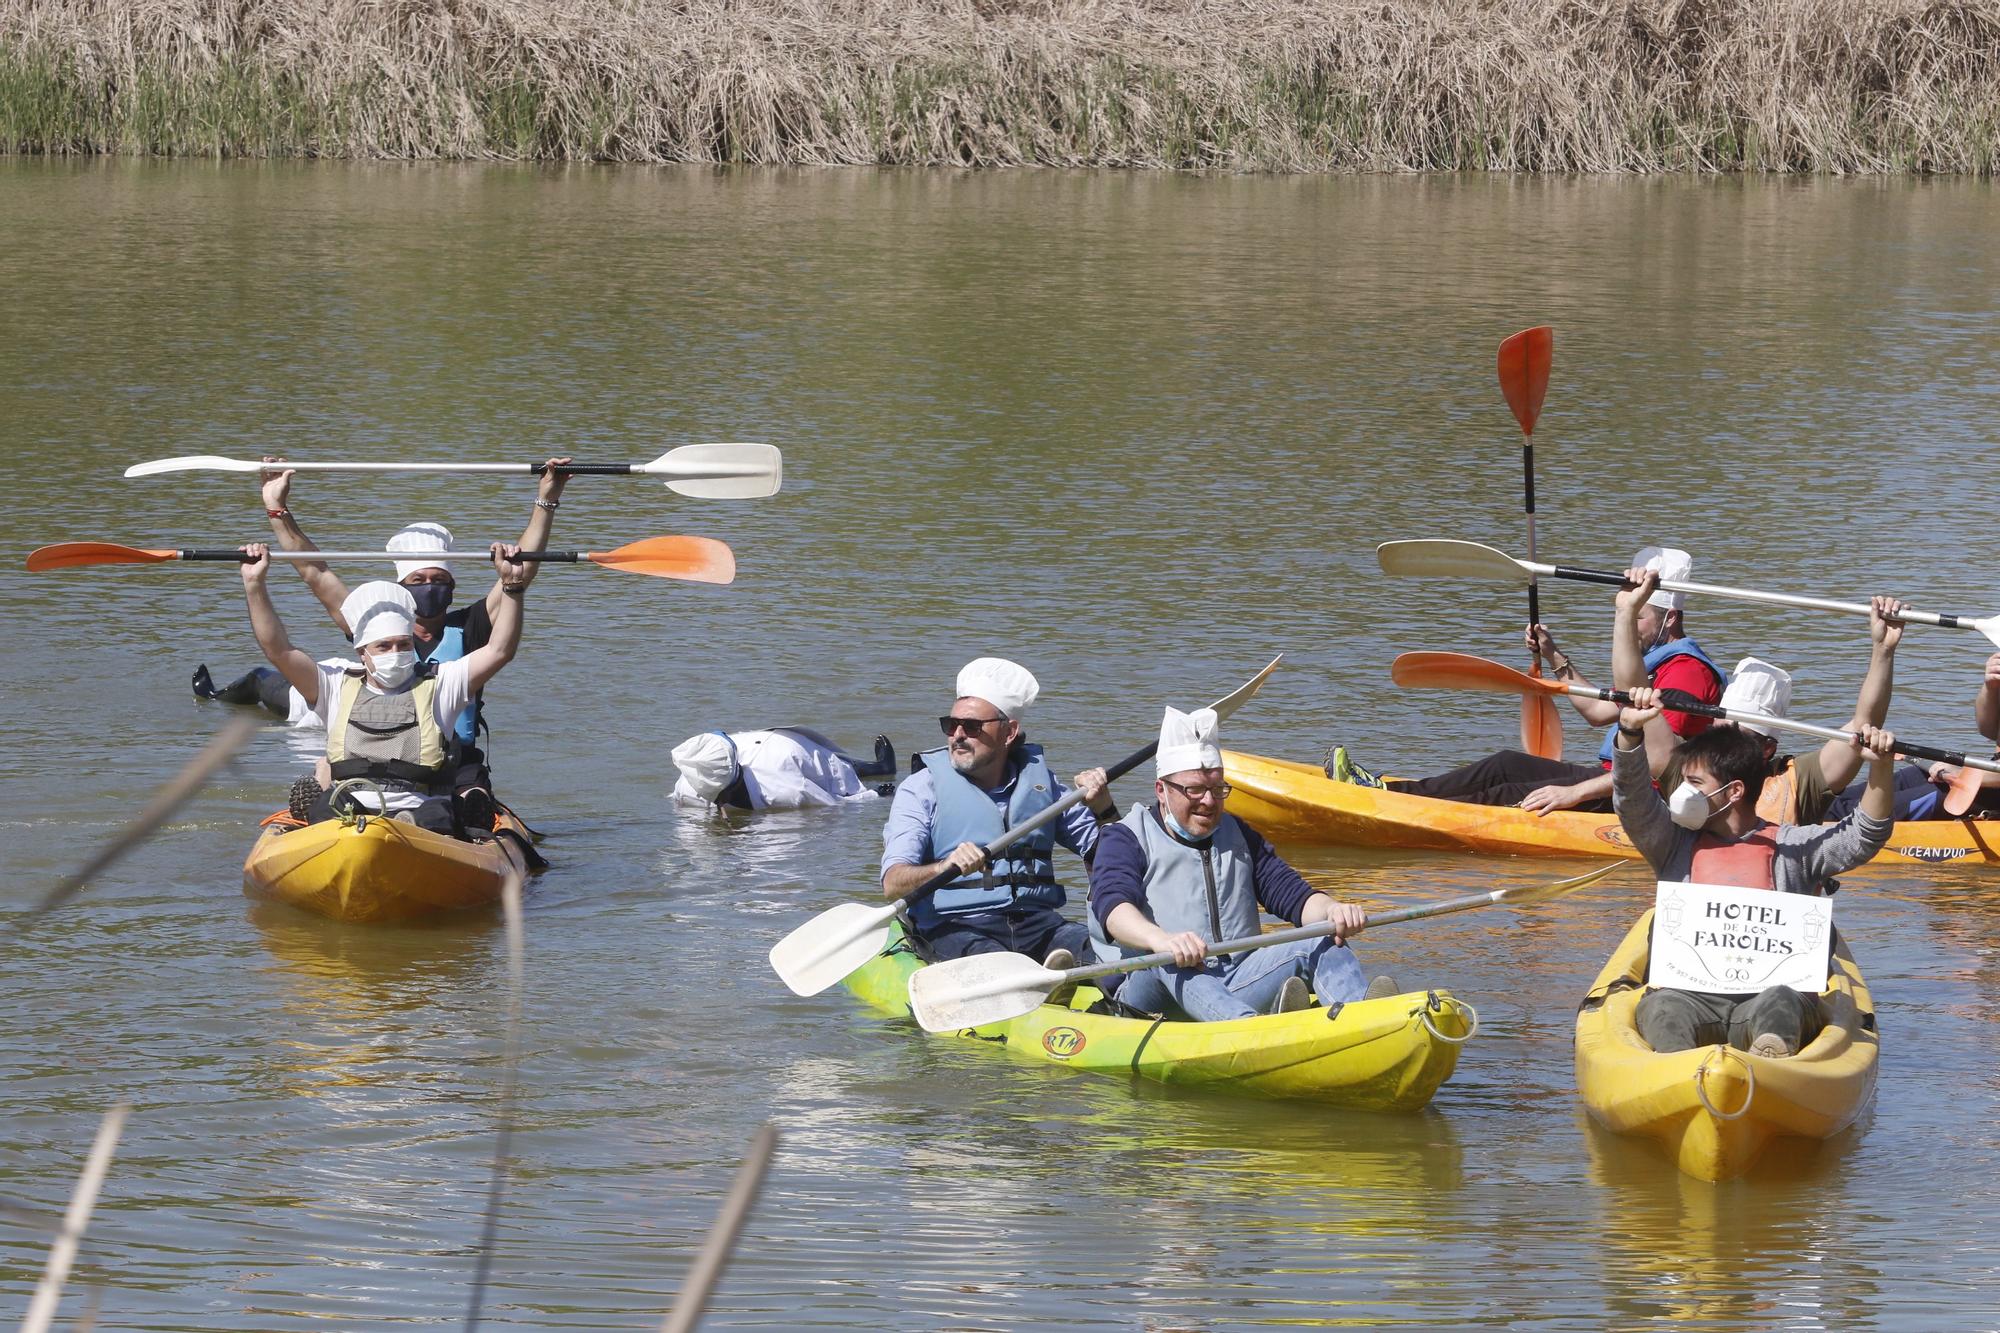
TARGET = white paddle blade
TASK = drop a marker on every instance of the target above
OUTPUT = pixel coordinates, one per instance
(721, 471)
(1989, 626)
(978, 989)
(195, 463)
(1242, 694)
(1440, 559)
(823, 951)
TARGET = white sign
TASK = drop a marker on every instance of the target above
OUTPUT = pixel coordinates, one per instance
(1721, 940)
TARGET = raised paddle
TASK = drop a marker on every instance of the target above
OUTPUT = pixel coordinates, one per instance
(707, 471)
(696, 559)
(1524, 381)
(1438, 558)
(827, 948)
(987, 988)
(1462, 671)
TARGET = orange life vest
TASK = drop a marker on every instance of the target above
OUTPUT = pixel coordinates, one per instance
(1745, 863)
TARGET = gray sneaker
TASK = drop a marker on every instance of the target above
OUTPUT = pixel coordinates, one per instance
(1060, 960)
(1381, 988)
(1293, 996)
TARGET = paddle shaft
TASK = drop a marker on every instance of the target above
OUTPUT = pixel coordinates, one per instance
(704, 470)
(238, 557)
(1746, 595)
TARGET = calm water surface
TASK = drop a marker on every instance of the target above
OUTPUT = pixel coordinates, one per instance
(1139, 433)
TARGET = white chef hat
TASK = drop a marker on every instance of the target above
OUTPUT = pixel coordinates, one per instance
(708, 762)
(421, 537)
(1188, 740)
(1008, 686)
(1758, 687)
(379, 610)
(1674, 566)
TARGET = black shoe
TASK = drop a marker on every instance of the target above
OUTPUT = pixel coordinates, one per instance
(304, 793)
(476, 809)
(204, 684)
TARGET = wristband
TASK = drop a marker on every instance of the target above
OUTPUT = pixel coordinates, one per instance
(513, 589)
(548, 504)
(279, 513)
(1636, 733)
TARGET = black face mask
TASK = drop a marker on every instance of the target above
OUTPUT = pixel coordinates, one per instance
(431, 598)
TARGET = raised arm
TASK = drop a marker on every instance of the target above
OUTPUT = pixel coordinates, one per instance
(1543, 644)
(1841, 760)
(485, 661)
(1628, 662)
(323, 582)
(297, 668)
(534, 537)
(1986, 706)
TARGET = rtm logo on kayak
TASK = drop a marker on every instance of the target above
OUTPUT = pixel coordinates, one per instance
(1614, 835)
(1062, 1043)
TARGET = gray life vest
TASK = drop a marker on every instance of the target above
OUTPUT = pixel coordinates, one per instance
(1208, 888)
(393, 739)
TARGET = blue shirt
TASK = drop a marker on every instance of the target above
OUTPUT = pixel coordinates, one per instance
(906, 837)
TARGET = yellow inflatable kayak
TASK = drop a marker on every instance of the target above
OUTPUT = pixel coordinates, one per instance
(1298, 803)
(1716, 1108)
(1378, 1055)
(380, 870)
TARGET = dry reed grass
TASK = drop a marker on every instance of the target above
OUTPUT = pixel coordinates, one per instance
(1332, 85)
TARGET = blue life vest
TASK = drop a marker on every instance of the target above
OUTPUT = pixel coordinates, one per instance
(1024, 874)
(1655, 656)
(449, 646)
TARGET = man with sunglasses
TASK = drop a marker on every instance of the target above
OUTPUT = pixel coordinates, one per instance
(985, 780)
(1183, 873)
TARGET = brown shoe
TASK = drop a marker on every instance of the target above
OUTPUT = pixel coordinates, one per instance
(1771, 1046)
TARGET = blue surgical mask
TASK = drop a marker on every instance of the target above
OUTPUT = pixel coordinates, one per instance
(1175, 824)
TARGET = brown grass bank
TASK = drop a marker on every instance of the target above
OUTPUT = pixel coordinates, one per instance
(1275, 85)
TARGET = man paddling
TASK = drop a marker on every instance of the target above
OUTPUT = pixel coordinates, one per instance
(391, 722)
(786, 768)
(1650, 645)
(986, 779)
(1183, 873)
(1707, 831)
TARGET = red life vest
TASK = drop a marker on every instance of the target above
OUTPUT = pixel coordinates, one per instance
(1744, 863)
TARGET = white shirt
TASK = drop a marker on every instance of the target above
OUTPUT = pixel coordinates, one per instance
(453, 679)
(784, 771)
(302, 716)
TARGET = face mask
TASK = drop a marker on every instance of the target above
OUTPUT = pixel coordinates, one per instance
(1688, 807)
(1167, 814)
(392, 670)
(431, 598)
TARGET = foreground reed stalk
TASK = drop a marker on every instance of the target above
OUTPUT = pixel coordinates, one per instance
(42, 1308)
(1266, 85)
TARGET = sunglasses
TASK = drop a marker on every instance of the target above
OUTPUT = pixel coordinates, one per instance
(969, 725)
(1220, 791)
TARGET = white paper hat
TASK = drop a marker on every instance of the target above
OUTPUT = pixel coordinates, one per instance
(379, 610)
(1006, 685)
(708, 762)
(1758, 687)
(421, 537)
(1674, 566)
(1188, 740)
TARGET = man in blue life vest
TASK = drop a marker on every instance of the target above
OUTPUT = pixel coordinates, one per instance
(1182, 873)
(1707, 831)
(986, 779)
(391, 721)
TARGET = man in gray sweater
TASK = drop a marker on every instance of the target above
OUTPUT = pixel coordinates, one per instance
(1707, 831)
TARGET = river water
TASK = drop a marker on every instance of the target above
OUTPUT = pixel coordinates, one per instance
(1140, 433)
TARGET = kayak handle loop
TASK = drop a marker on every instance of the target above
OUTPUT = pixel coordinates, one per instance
(1470, 1014)
(1701, 1087)
(355, 815)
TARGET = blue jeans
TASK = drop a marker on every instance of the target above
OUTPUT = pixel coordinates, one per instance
(1035, 932)
(1243, 984)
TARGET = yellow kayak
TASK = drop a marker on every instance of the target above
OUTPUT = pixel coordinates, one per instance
(1299, 803)
(1717, 1108)
(380, 870)
(1377, 1055)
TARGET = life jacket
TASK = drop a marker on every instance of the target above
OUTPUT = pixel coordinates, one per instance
(1654, 657)
(1207, 887)
(449, 646)
(1023, 874)
(392, 739)
(1744, 863)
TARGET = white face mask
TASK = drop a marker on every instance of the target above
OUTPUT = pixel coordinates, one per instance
(392, 670)
(1688, 806)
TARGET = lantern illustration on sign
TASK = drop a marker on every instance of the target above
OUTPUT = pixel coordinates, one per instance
(1815, 921)
(1670, 915)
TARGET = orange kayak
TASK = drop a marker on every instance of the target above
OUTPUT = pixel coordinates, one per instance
(1299, 803)
(383, 870)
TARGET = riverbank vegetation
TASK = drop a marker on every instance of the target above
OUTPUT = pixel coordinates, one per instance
(1267, 85)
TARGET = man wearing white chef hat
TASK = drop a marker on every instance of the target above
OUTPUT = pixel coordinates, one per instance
(984, 780)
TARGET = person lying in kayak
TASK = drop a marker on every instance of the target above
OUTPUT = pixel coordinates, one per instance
(1650, 645)
(391, 721)
(786, 768)
(1182, 873)
(984, 780)
(264, 687)
(1707, 831)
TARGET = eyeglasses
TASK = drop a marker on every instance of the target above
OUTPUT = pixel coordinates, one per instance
(1220, 791)
(971, 726)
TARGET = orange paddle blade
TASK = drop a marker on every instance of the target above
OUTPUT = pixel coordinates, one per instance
(1541, 724)
(1524, 373)
(696, 559)
(1964, 791)
(68, 555)
(1462, 671)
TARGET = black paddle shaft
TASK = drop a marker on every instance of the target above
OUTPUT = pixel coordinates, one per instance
(238, 558)
(590, 469)
(1682, 702)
